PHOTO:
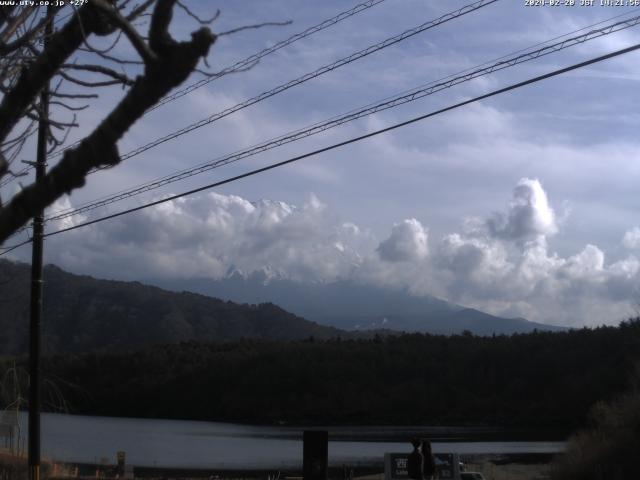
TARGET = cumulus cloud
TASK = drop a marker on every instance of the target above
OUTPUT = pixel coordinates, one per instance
(631, 239)
(63, 205)
(502, 263)
(534, 283)
(529, 215)
(407, 242)
(589, 263)
(210, 234)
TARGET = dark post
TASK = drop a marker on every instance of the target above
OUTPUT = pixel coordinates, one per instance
(121, 456)
(35, 381)
(315, 454)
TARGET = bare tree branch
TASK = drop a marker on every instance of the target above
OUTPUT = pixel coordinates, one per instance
(138, 43)
(111, 58)
(139, 10)
(253, 27)
(74, 95)
(17, 138)
(175, 62)
(14, 24)
(61, 45)
(4, 166)
(88, 84)
(109, 72)
(55, 141)
(5, 14)
(6, 48)
(69, 107)
(201, 21)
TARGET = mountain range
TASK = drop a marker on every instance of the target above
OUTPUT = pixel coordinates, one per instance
(351, 306)
(83, 314)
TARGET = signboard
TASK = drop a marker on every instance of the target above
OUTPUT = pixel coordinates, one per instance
(447, 466)
(397, 466)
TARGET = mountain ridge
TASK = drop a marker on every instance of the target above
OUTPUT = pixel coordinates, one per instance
(351, 306)
(82, 313)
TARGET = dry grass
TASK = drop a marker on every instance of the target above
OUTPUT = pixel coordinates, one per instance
(510, 471)
(607, 451)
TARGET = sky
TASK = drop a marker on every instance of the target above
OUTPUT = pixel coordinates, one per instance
(524, 204)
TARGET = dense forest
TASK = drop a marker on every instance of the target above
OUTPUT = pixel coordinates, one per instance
(84, 314)
(548, 379)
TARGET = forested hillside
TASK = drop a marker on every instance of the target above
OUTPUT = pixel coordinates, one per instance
(352, 305)
(84, 314)
(538, 379)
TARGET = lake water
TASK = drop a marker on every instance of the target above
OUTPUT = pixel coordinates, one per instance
(176, 443)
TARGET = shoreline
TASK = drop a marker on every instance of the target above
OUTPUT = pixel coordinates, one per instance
(517, 466)
(494, 467)
(370, 432)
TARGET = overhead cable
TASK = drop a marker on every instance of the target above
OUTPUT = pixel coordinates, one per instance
(391, 102)
(252, 59)
(356, 139)
(237, 66)
(6, 250)
(308, 76)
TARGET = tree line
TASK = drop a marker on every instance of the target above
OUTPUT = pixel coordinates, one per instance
(548, 379)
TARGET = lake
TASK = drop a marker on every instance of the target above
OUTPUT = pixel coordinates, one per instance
(193, 444)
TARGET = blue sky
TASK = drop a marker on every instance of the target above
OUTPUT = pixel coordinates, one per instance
(525, 204)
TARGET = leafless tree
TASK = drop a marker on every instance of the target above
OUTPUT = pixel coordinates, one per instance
(79, 53)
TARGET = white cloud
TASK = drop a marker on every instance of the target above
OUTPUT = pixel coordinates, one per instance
(631, 239)
(61, 206)
(529, 215)
(501, 263)
(589, 263)
(206, 235)
(407, 242)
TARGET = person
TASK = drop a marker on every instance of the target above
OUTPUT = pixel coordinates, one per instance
(428, 460)
(415, 461)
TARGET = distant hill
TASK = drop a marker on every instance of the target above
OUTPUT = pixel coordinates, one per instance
(351, 306)
(84, 314)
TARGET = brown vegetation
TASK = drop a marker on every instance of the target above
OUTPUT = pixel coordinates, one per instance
(27, 69)
(609, 449)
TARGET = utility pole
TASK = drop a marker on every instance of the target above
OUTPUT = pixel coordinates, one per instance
(35, 380)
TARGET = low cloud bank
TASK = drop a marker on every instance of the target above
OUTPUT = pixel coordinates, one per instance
(502, 263)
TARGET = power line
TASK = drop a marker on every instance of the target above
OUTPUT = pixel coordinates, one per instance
(10, 178)
(391, 102)
(236, 67)
(308, 76)
(13, 247)
(311, 75)
(346, 142)
(359, 138)
(252, 59)
(298, 36)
